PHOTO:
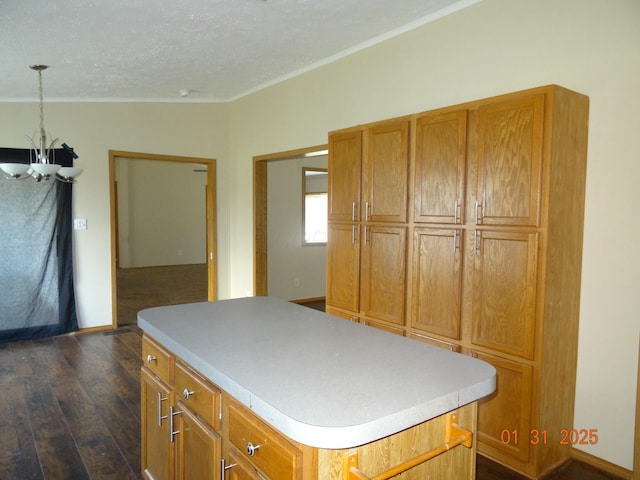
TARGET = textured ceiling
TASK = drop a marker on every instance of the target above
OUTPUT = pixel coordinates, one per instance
(217, 49)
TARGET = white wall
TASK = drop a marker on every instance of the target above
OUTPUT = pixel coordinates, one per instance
(193, 130)
(288, 260)
(494, 47)
(161, 213)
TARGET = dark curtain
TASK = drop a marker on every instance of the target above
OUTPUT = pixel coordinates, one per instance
(36, 260)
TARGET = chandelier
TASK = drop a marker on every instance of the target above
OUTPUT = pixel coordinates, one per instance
(42, 164)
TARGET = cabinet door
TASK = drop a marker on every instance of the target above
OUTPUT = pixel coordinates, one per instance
(344, 166)
(440, 166)
(343, 266)
(157, 452)
(198, 448)
(385, 172)
(509, 157)
(437, 281)
(241, 470)
(384, 273)
(504, 417)
(504, 291)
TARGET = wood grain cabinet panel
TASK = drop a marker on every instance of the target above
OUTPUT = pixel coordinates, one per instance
(440, 166)
(261, 445)
(157, 453)
(384, 273)
(343, 266)
(437, 281)
(504, 417)
(385, 172)
(509, 159)
(344, 166)
(198, 447)
(504, 291)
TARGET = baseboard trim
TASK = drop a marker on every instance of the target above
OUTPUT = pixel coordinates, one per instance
(93, 329)
(601, 464)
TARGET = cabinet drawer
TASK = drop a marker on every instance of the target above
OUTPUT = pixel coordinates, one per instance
(273, 454)
(197, 394)
(157, 359)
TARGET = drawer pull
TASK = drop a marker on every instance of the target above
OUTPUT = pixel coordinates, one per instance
(172, 432)
(186, 393)
(151, 358)
(251, 449)
(160, 400)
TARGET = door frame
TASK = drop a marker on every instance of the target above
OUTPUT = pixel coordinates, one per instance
(211, 218)
(260, 221)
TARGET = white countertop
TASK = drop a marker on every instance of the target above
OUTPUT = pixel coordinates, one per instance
(321, 380)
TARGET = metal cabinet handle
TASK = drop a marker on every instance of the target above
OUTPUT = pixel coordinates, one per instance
(366, 211)
(160, 400)
(225, 467)
(353, 211)
(476, 243)
(186, 393)
(252, 449)
(151, 358)
(479, 206)
(172, 432)
(456, 207)
(456, 243)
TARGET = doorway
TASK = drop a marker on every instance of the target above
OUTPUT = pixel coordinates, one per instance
(260, 211)
(160, 279)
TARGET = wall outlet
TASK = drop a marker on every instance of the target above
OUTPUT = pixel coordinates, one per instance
(79, 223)
(296, 282)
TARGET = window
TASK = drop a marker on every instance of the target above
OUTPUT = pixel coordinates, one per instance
(314, 206)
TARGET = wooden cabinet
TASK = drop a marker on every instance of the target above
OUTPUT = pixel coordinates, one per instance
(493, 263)
(198, 447)
(437, 281)
(383, 273)
(506, 424)
(344, 166)
(385, 172)
(196, 434)
(206, 433)
(156, 397)
(368, 211)
(343, 266)
(509, 135)
(440, 166)
(180, 419)
(157, 454)
(266, 450)
(504, 291)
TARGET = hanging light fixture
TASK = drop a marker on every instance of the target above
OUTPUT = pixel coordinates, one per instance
(42, 165)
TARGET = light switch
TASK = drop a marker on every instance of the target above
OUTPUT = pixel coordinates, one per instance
(79, 223)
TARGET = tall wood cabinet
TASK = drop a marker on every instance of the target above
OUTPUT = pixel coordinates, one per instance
(368, 212)
(487, 257)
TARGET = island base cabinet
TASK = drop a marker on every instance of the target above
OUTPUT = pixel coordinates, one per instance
(377, 457)
(157, 452)
(198, 448)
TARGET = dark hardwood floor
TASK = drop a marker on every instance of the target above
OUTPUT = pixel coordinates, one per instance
(140, 288)
(71, 410)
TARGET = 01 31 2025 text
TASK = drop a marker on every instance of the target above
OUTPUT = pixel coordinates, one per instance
(537, 436)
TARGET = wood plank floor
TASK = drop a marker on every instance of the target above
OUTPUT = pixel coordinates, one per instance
(72, 411)
(140, 288)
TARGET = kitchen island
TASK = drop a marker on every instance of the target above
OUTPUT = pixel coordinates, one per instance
(268, 389)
